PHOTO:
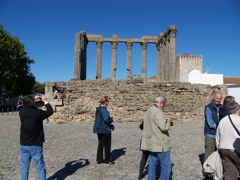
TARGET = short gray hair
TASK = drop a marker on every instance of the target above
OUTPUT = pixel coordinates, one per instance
(215, 94)
(233, 107)
(160, 98)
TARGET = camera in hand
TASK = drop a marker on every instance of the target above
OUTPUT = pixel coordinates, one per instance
(39, 102)
(112, 127)
(171, 123)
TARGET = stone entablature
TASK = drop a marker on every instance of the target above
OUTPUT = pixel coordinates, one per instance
(165, 60)
(129, 99)
(99, 38)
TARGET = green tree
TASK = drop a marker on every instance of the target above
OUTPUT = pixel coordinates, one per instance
(38, 88)
(15, 73)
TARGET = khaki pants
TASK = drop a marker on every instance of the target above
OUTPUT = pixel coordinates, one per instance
(210, 146)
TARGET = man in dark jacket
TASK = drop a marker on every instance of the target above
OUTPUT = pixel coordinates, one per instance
(211, 122)
(32, 135)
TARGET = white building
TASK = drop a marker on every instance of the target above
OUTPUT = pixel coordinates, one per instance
(196, 77)
(233, 90)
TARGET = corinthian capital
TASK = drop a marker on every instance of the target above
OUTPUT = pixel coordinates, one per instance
(129, 45)
(144, 45)
(173, 32)
(99, 44)
(114, 44)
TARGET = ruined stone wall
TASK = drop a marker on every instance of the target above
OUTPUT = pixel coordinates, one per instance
(129, 99)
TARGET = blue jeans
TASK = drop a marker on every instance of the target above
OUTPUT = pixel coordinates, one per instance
(165, 163)
(27, 153)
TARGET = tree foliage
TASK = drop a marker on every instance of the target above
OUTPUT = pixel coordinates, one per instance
(38, 88)
(15, 73)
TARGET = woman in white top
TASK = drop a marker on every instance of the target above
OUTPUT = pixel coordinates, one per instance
(228, 142)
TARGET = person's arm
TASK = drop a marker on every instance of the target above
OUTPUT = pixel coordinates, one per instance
(105, 115)
(209, 118)
(161, 122)
(49, 109)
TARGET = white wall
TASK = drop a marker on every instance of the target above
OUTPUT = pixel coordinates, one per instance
(195, 77)
(234, 90)
(198, 78)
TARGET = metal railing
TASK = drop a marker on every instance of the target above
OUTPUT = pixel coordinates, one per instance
(8, 110)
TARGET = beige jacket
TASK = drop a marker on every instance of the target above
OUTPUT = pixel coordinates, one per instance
(155, 136)
(213, 166)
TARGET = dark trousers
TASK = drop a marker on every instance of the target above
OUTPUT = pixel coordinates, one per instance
(145, 155)
(104, 143)
(231, 164)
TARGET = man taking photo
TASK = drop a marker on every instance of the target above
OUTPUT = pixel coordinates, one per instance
(32, 135)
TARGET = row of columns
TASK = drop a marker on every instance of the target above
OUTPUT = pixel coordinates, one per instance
(114, 59)
(165, 62)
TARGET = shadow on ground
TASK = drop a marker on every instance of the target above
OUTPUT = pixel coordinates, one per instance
(69, 169)
(201, 158)
(117, 153)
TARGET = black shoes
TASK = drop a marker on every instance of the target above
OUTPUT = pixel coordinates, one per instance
(100, 162)
(106, 162)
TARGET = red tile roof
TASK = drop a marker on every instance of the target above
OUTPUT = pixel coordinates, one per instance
(226, 80)
(231, 80)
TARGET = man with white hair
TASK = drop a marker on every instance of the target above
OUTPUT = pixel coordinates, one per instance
(155, 138)
(211, 114)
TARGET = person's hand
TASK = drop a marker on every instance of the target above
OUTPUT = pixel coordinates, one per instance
(37, 98)
(44, 98)
(169, 122)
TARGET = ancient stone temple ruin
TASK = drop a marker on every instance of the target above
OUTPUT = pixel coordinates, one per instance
(77, 99)
(165, 48)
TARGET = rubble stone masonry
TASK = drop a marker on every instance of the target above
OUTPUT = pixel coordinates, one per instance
(75, 101)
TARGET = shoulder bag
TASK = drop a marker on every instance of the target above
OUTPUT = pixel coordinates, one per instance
(233, 125)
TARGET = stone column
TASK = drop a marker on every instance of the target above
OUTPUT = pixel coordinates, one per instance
(162, 60)
(129, 59)
(77, 57)
(114, 60)
(165, 61)
(159, 63)
(144, 59)
(172, 56)
(80, 56)
(99, 60)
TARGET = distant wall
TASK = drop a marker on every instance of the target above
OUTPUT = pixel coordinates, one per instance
(196, 78)
(77, 100)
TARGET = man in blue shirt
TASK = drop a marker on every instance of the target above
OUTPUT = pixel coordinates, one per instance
(211, 114)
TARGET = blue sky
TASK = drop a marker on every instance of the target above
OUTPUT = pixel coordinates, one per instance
(47, 28)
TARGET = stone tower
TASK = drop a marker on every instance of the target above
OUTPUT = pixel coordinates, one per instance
(186, 63)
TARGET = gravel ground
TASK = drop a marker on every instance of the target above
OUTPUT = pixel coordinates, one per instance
(70, 151)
